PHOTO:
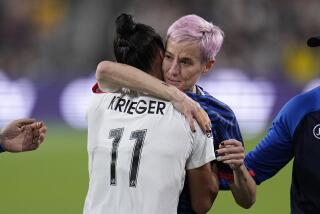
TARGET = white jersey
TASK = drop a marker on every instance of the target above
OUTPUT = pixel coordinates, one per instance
(139, 148)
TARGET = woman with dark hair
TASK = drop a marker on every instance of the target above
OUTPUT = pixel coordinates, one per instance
(136, 44)
(140, 148)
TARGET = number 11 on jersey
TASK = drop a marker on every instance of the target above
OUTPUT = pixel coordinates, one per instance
(138, 136)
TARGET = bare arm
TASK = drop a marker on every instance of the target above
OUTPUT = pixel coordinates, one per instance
(243, 186)
(112, 75)
(204, 187)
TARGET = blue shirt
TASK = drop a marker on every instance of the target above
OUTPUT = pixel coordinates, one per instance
(224, 127)
(295, 133)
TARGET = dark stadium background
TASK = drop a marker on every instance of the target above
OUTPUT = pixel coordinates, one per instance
(49, 50)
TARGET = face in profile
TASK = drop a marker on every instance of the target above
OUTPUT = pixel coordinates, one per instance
(182, 64)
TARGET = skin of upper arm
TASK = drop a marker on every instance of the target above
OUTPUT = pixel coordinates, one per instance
(101, 74)
(203, 186)
(104, 73)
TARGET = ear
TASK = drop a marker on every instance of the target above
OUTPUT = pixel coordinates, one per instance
(208, 66)
(161, 54)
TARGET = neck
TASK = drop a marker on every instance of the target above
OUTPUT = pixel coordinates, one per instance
(193, 89)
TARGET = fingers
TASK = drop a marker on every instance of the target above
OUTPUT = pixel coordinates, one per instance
(203, 120)
(208, 127)
(192, 111)
(22, 122)
(230, 149)
(34, 135)
(41, 138)
(43, 131)
(34, 145)
(238, 162)
(231, 152)
(230, 142)
(228, 157)
(234, 160)
(230, 146)
(36, 125)
(39, 131)
(11, 133)
(28, 138)
(39, 125)
(191, 123)
(206, 118)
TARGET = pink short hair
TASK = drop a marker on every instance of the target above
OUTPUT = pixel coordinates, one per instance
(193, 28)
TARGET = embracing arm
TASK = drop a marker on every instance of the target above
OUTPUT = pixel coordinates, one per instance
(112, 75)
(204, 187)
(115, 75)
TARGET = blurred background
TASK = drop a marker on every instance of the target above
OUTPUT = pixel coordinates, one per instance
(49, 50)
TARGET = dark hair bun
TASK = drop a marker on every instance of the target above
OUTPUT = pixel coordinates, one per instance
(125, 25)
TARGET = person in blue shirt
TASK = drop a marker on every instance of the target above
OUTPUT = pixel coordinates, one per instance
(22, 135)
(294, 134)
(191, 47)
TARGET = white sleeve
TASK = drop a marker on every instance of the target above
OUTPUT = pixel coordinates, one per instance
(203, 150)
(94, 101)
(96, 104)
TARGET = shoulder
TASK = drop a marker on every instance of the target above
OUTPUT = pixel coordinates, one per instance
(223, 119)
(215, 103)
(302, 104)
(307, 100)
(98, 99)
(297, 107)
(212, 105)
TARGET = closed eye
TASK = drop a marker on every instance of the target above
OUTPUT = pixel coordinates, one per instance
(168, 56)
(186, 62)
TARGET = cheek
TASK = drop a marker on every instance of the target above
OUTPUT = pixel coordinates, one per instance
(190, 76)
(165, 66)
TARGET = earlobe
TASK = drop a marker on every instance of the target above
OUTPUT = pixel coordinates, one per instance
(208, 66)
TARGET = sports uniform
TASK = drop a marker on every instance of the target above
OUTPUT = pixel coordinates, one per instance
(139, 148)
(295, 133)
(224, 126)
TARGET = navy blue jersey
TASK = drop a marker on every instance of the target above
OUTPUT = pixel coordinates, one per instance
(1, 148)
(295, 133)
(224, 127)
